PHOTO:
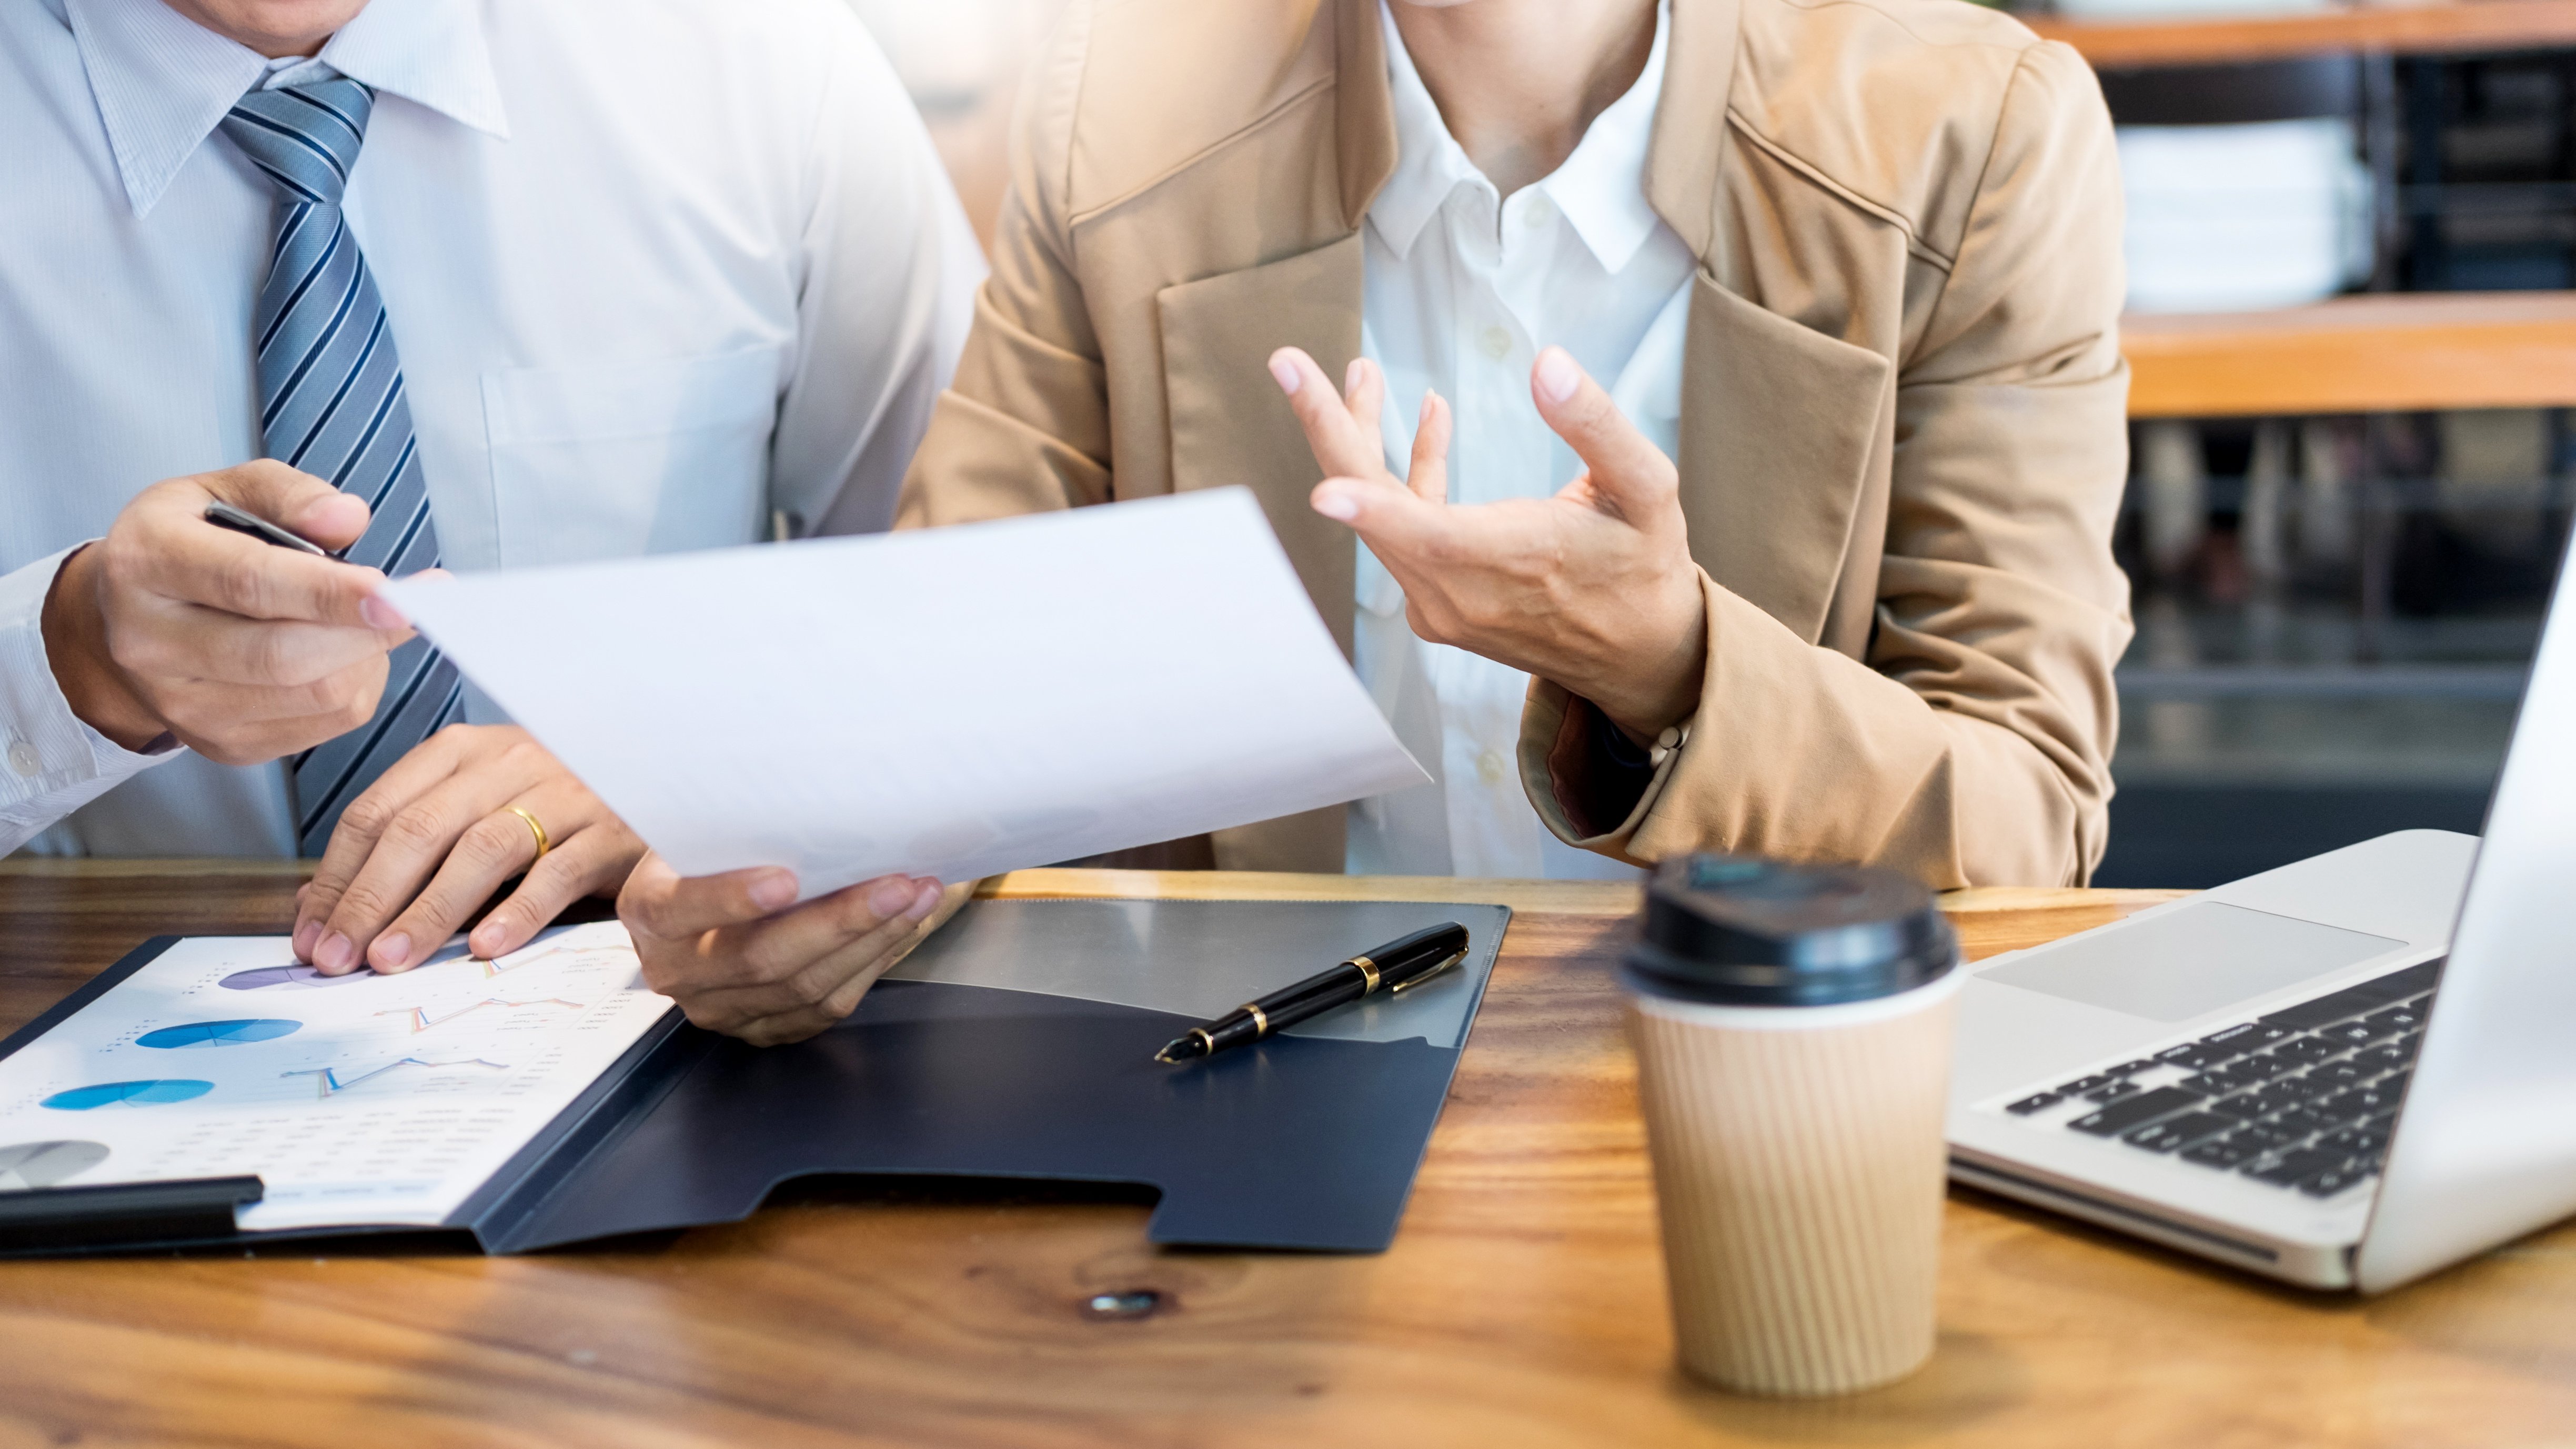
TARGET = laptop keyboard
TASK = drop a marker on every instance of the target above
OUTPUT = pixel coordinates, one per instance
(2303, 1099)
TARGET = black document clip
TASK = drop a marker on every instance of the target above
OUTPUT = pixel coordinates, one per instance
(121, 1214)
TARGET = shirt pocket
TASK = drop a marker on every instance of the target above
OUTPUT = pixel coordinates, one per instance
(630, 458)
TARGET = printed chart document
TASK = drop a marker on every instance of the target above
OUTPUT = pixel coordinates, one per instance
(952, 703)
(359, 1099)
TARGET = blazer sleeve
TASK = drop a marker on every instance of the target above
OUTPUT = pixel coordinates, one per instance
(1972, 746)
(1025, 425)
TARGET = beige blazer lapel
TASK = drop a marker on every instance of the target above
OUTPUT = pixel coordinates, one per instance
(1690, 139)
(1363, 108)
(1777, 420)
(1229, 423)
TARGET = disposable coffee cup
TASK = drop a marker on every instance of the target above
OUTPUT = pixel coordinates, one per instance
(1793, 1031)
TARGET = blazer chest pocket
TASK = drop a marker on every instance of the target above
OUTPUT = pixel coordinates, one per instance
(630, 458)
(1776, 441)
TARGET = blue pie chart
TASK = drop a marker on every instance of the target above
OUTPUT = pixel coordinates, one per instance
(217, 1033)
(127, 1094)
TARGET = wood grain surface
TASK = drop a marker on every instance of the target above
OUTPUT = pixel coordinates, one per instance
(1522, 1304)
(2383, 353)
(2464, 27)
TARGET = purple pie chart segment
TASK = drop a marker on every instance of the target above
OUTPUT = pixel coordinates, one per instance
(262, 978)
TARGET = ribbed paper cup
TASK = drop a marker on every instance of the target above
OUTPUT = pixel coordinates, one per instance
(1798, 1148)
(1799, 1168)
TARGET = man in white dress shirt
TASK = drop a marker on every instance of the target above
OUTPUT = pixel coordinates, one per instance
(653, 275)
(1464, 285)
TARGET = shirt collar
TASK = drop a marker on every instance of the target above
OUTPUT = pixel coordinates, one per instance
(1429, 162)
(163, 83)
(1601, 188)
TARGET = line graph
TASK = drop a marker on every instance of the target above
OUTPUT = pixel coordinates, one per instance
(332, 1083)
(527, 959)
(422, 1021)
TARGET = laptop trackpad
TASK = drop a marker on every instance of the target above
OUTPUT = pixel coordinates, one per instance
(2184, 963)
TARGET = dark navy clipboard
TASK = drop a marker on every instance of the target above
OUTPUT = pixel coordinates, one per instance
(1300, 1142)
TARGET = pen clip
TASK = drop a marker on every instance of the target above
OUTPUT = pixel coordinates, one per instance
(1434, 973)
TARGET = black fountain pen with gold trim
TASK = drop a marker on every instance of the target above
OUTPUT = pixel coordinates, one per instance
(1396, 967)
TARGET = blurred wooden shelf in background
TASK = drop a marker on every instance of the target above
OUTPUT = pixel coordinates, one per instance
(2463, 27)
(2381, 353)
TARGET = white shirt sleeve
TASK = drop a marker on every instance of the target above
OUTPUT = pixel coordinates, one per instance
(51, 762)
(890, 268)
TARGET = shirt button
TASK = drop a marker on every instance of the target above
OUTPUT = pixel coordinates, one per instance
(24, 759)
(1496, 342)
(1489, 767)
(1539, 214)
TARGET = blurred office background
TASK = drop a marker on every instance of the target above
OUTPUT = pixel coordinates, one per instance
(2352, 244)
(962, 60)
(2336, 604)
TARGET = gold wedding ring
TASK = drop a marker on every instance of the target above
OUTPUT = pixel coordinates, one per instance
(539, 831)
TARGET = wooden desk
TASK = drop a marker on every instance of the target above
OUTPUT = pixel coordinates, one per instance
(2384, 353)
(1523, 1302)
(2463, 27)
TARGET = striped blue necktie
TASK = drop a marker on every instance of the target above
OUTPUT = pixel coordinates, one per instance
(331, 404)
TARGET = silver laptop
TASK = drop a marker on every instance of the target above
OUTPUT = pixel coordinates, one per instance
(2347, 1072)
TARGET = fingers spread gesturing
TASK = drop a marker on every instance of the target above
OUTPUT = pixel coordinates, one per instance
(1593, 587)
(1343, 443)
(1344, 430)
(1625, 474)
(1428, 475)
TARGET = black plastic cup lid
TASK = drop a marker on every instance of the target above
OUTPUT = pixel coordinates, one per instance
(1736, 930)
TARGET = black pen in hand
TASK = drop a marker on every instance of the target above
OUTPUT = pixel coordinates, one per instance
(224, 515)
(1394, 967)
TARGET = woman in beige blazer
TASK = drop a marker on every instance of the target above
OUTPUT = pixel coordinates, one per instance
(1871, 601)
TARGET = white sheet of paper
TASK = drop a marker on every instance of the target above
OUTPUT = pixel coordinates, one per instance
(358, 1099)
(953, 702)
